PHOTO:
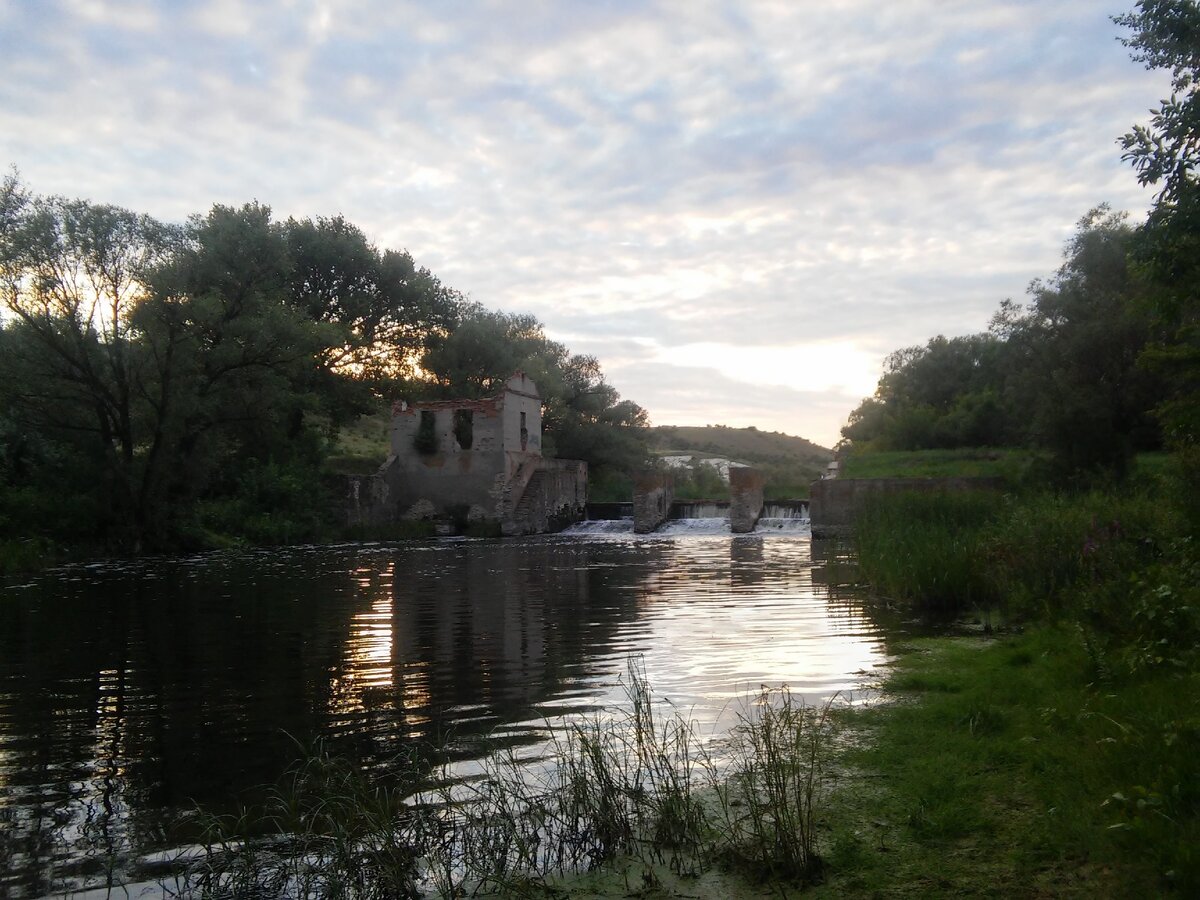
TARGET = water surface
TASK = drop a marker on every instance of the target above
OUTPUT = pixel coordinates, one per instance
(131, 692)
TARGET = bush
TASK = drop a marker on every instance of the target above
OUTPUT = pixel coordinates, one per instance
(270, 503)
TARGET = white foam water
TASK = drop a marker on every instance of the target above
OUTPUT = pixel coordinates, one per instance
(686, 527)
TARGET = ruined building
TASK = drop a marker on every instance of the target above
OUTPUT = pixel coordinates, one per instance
(466, 461)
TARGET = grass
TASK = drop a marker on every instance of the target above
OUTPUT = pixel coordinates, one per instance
(327, 831)
(26, 555)
(925, 549)
(770, 802)
(955, 552)
(361, 447)
(1002, 768)
(981, 462)
(1057, 761)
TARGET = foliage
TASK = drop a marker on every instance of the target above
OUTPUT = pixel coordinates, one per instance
(163, 385)
(1010, 465)
(1166, 153)
(925, 548)
(337, 833)
(267, 503)
(699, 480)
(1113, 564)
(1061, 374)
(1004, 763)
(380, 310)
(770, 802)
(788, 463)
(425, 441)
(625, 785)
(1073, 745)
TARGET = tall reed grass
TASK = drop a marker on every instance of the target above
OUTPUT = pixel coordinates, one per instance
(1026, 553)
(771, 798)
(928, 549)
(622, 784)
(1095, 707)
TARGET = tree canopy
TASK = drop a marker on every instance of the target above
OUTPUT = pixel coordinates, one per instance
(1165, 34)
(162, 385)
(1060, 373)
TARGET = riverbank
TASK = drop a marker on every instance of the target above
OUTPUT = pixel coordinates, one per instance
(992, 766)
(1003, 767)
(1059, 758)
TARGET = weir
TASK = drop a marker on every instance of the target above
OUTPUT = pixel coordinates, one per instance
(695, 527)
(654, 507)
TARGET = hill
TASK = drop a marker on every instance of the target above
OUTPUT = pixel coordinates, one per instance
(789, 463)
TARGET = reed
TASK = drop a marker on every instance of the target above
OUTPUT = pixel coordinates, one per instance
(926, 549)
(949, 553)
(770, 800)
(327, 831)
(620, 785)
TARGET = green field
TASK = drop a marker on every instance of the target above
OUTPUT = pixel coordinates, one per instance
(974, 462)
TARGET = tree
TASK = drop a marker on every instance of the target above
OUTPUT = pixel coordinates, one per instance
(379, 311)
(480, 350)
(72, 273)
(1166, 153)
(154, 356)
(944, 394)
(1076, 350)
(1061, 374)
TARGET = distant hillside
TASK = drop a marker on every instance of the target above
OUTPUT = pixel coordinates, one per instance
(790, 463)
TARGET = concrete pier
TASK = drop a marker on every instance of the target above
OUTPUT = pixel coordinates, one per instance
(745, 499)
(653, 493)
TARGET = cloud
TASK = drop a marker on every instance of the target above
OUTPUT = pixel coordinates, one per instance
(647, 178)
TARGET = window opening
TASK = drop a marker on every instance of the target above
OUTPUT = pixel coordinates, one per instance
(464, 428)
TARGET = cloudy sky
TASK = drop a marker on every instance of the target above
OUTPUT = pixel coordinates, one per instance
(739, 207)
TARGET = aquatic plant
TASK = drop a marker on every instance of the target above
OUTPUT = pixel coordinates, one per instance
(619, 784)
(328, 830)
(770, 799)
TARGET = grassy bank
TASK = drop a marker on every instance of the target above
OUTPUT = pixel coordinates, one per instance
(976, 462)
(28, 555)
(1005, 768)
(1060, 760)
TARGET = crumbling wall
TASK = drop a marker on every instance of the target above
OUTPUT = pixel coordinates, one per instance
(479, 461)
(486, 431)
(834, 502)
(745, 498)
(555, 497)
(522, 415)
(653, 493)
(367, 501)
(457, 468)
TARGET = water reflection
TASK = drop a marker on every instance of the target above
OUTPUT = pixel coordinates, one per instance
(129, 692)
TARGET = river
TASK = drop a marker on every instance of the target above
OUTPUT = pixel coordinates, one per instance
(132, 692)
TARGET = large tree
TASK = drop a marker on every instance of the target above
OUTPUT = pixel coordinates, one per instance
(1165, 34)
(177, 365)
(1060, 373)
(73, 274)
(379, 311)
(1074, 353)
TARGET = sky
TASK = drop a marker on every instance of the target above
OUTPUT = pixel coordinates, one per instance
(740, 208)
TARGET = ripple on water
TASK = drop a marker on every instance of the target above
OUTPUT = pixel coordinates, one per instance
(129, 690)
